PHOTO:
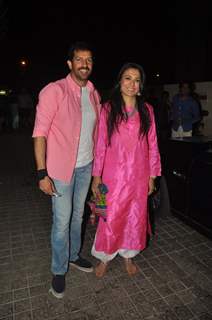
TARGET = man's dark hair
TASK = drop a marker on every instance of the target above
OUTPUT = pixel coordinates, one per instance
(191, 85)
(79, 45)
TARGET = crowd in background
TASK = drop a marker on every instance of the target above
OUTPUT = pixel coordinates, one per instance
(17, 108)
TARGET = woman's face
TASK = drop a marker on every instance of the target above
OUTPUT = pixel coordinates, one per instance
(130, 82)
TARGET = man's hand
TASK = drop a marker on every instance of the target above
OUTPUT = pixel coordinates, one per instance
(47, 186)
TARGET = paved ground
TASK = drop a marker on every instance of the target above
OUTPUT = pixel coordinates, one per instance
(174, 282)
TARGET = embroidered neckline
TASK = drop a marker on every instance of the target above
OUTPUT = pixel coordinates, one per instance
(130, 113)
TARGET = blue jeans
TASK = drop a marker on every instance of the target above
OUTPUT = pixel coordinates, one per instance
(67, 218)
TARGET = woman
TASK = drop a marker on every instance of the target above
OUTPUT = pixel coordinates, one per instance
(127, 161)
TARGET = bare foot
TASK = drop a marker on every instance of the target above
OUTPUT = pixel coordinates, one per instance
(130, 267)
(101, 269)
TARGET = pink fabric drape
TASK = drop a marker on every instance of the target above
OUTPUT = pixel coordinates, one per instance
(125, 166)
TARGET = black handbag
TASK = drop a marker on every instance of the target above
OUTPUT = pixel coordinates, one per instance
(155, 198)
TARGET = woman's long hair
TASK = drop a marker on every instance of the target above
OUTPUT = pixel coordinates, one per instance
(117, 105)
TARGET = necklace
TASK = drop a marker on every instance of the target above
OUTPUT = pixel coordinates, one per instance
(130, 113)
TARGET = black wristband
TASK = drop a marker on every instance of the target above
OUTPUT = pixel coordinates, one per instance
(41, 174)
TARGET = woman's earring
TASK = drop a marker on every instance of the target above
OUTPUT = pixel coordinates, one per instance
(138, 94)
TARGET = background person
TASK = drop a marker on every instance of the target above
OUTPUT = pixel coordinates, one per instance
(185, 112)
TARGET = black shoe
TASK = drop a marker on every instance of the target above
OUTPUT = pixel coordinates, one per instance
(58, 286)
(82, 265)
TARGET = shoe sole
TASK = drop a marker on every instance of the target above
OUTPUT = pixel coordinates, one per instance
(56, 294)
(81, 268)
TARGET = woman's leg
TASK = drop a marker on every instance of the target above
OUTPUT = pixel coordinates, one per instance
(130, 266)
(101, 269)
(104, 258)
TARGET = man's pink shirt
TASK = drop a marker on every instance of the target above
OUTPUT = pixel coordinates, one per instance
(58, 119)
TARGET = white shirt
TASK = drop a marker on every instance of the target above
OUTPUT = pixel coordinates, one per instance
(85, 149)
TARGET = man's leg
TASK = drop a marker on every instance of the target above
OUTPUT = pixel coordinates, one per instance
(81, 186)
(175, 134)
(187, 133)
(61, 207)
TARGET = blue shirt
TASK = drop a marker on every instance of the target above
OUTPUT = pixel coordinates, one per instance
(185, 112)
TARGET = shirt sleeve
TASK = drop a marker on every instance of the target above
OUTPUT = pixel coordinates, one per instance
(154, 155)
(46, 108)
(101, 144)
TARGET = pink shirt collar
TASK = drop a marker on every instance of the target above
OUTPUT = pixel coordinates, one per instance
(75, 87)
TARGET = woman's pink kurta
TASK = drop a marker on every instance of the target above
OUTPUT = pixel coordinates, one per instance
(125, 167)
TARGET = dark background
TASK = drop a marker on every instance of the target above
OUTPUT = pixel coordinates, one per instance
(174, 40)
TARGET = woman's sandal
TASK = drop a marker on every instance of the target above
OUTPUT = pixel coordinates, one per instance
(101, 269)
(130, 267)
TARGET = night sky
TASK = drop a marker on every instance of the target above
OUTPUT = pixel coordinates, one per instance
(174, 40)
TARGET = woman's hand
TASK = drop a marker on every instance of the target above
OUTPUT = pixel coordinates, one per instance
(94, 187)
(151, 185)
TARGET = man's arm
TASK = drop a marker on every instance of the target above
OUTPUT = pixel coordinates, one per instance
(40, 152)
(45, 183)
(46, 109)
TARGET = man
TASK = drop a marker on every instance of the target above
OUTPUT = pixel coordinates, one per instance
(185, 112)
(64, 133)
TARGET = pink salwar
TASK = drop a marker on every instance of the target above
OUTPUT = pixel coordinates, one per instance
(125, 166)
